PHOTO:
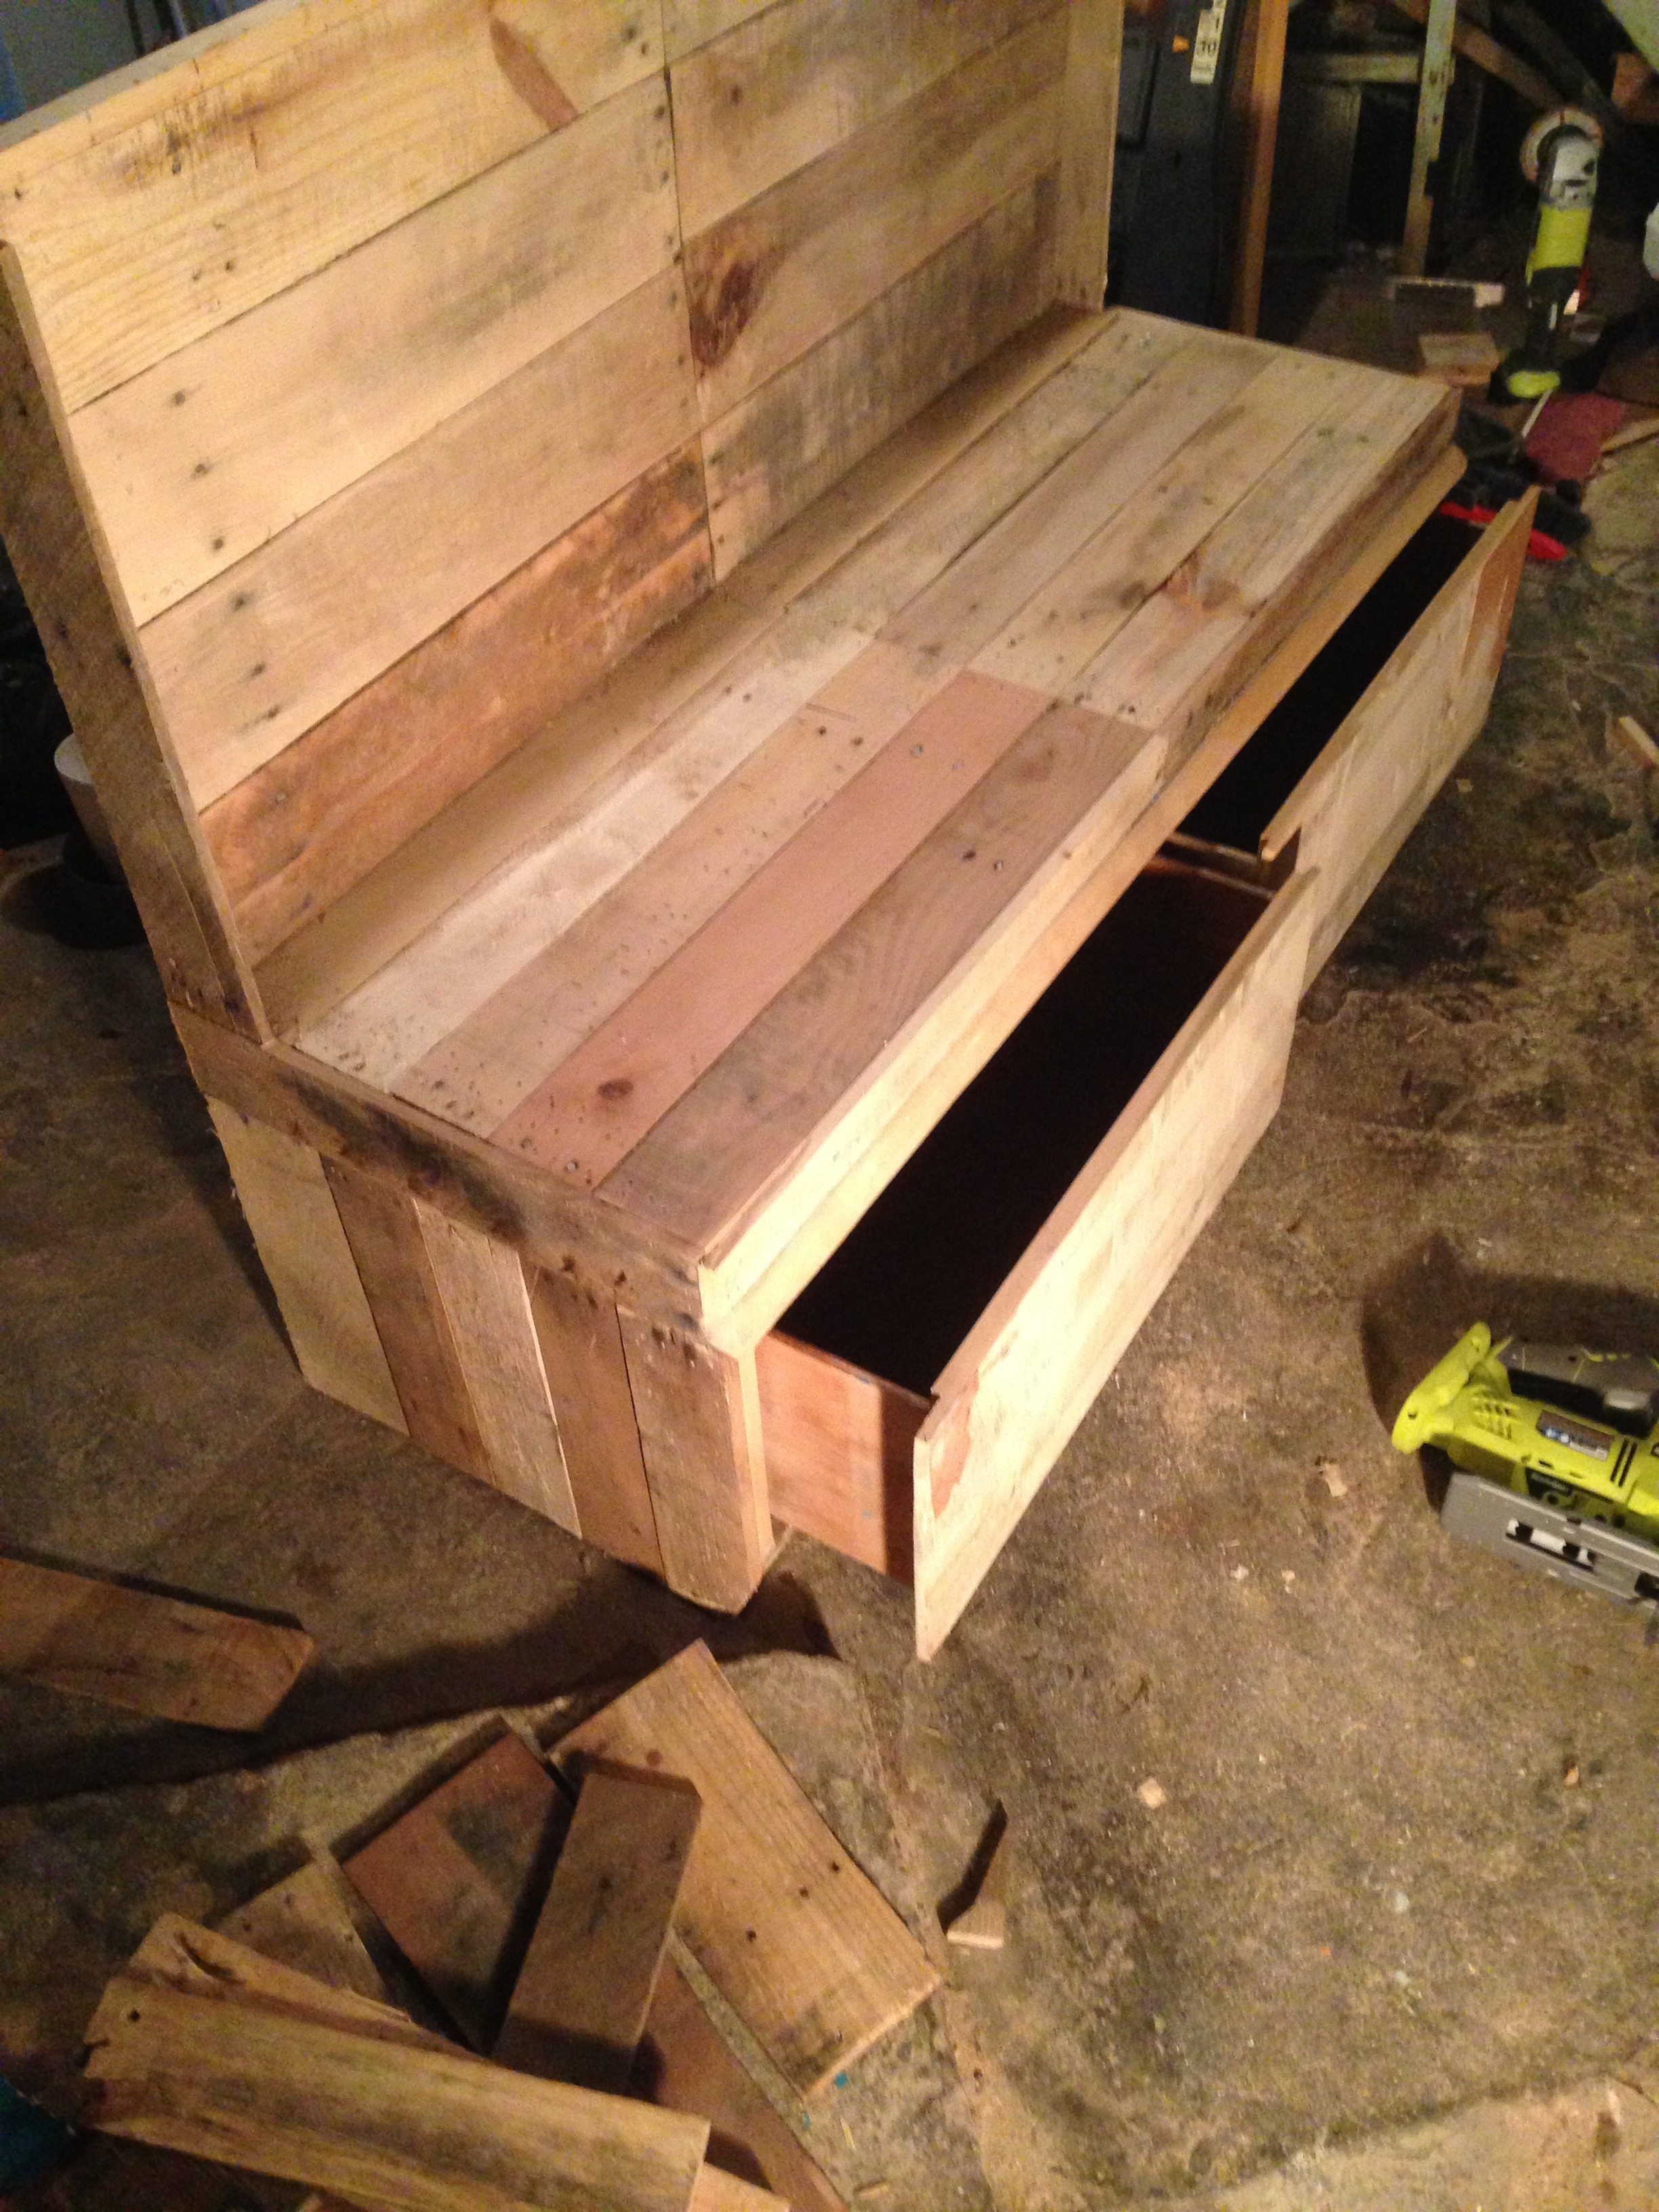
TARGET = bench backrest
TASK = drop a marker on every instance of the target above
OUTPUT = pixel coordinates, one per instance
(418, 358)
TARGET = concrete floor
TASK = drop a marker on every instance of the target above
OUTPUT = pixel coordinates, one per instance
(1405, 1864)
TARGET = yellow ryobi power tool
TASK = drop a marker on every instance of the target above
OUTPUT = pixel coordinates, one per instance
(1559, 155)
(1557, 1454)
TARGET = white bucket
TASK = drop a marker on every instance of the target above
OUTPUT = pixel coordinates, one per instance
(71, 765)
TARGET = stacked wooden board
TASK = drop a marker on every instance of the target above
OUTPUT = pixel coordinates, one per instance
(632, 618)
(541, 1936)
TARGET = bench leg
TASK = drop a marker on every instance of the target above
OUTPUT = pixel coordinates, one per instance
(698, 1412)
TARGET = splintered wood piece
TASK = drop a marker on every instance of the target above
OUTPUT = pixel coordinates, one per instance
(380, 2122)
(799, 1942)
(179, 1954)
(1625, 730)
(158, 1656)
(686, 2065)
(303, 1922)
(451, 1880)
(579, 2007)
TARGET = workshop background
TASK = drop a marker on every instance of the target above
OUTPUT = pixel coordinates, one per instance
(1327, 1877)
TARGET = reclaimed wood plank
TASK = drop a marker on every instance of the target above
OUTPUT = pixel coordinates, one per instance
(579, 2007)
(1094, 51)
(258, 160)
(1064, 796)
(556, 779)
(372, 2119)
(485, 1297)
(302, 1921)
(384, 1231)
(983, 592)
(1067, 623)
(1186, 651)
(698, 1413)
(57, 550)
(486, 1068)
(253, 659)
(293, 838)
(799, 1942)
(296, 1225)
(220, 447)
(589, 1113)
(181, 1955)
(160, 1656)
(549, 1221)
(779, 447)
(686, 2064)
(587, 1374)
(786, 83)
(773, 278)
(453, 1879)
(839, 1452)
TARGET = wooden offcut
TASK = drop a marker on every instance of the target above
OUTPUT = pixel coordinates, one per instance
(579, 2007)
(161, 1656)
(360, 2115)
(303, 1922)
(796, 1937)
(453, 1879)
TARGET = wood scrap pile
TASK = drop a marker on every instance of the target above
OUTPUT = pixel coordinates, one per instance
(573, 1931)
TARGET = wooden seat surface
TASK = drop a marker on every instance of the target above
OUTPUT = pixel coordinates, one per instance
(797, 808)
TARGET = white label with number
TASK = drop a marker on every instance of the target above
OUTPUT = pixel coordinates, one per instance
(1207, 45)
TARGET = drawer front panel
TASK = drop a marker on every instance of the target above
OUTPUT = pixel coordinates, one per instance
(1010, 1400)
(1367, 789)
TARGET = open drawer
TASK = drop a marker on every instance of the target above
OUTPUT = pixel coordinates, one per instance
(915, 1395)
(1339, 773)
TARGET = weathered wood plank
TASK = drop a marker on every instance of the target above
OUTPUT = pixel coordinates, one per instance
(585, 1117)
(179, 1954)
(384, 1232)
(485, 1299)
(800, 1943)
(453, 1880)
(587, 1374)
(839, 1452)
(1061, 801)
(294, 838)
(698, 1413)
(160, 1656)
(1040, 1354)
(549, 1221)
(221, 446)
(1189, 649)
(1088, 129)
(296, 1225)
(368, 2118)
(795, 437)
(489, 1064)
(253, 659)
(685, 2064)
(259, 160)
(302, 1921)
(984, 590)
(579, 2007)
(774, 277)
(1068, 623)
(60, 561)
(717, 2191)
(555, 780)
(788, 83)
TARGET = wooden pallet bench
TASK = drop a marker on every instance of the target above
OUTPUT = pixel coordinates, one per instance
(734, 789)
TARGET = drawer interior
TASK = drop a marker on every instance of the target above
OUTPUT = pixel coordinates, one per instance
(1239, 806)
(906, 1287)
